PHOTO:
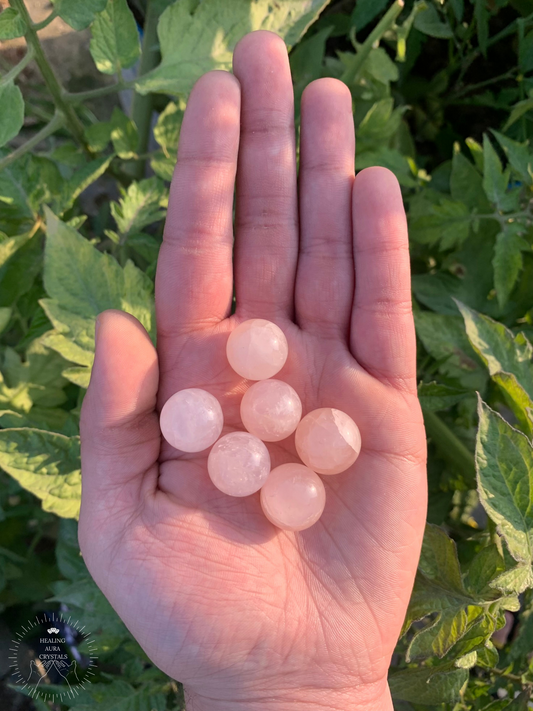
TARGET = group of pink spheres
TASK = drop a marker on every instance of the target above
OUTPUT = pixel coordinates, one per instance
(327, 440)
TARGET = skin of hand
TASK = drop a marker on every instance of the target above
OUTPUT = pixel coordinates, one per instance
(248, 616)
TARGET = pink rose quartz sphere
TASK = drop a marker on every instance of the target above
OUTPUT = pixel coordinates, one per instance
(328, 441)
(191, 420)
(257, 349)
(271, 410)
(238, 464)
(293, 497)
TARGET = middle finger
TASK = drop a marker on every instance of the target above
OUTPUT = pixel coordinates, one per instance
(266, 243)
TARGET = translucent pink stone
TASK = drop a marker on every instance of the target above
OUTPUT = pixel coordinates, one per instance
(293, 497)
(271, 410)
(328, 441)
(257, 349)
(238, 464)
(191, 420)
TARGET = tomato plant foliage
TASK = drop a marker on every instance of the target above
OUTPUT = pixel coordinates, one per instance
(443, 96)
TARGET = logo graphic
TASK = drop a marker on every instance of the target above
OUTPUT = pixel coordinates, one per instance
(53, 661)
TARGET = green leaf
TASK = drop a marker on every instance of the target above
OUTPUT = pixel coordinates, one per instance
(525, 59)
(123, 134)
(482, 21)
(498, 347)
(162, 165)
(145, 245)
(520, 702)
(447, 222)
(365, 11)
(81, 282)
(495, 179)
(521, 646)
(20, 262)
(508, 359)
(438, 586)
(437, 396)
(466, 184)
(508, 261)
(389, 158)
(40, 373)
(519, 109)
(168, 126)
(47, 465)
(24, 187)
(467, 661)
(476, 640)
(306, 61)
(78, 14)
(504, 462)
(80, 181)
(487, 656)
(92, 610)
(518, 155)
(98, 135)
(442, 634)
(428, 685)
(438, 560)
(115, 40)
(16, 398)
(485, 567)
(518, 400)
(79, 376)
(445, 339)
(429, 22)
(140, 205)
(380, 123)
(121, 696)
(196, 37)
(458, 8)
(5, 317)
(68, 556)
(12, 111)
(380, 66)
(11, 24)
(515, 580)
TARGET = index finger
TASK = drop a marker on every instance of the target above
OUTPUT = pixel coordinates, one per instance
(194, 282)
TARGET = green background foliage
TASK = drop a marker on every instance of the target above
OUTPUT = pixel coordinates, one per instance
(443, 96)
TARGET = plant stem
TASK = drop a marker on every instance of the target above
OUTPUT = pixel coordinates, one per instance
(16, 70)
(449, 445)
(34, 543)
(500, 672)
(80, 96)
(47, 20)
(466, 61)
(141, 110)
(52, 84)
(57, 121)
(473, 87)
(387, 21)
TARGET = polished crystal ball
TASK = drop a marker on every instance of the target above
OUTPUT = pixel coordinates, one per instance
(328, 441)
(293, 497)
(238, 464)
(191, 420)
(257, 349)
(271, 410)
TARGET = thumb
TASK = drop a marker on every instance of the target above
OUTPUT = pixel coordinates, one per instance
(119, 426)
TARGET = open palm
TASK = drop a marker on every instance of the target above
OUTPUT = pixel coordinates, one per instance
(245, 615)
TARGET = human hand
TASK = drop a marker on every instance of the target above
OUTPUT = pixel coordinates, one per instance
(245, 615)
